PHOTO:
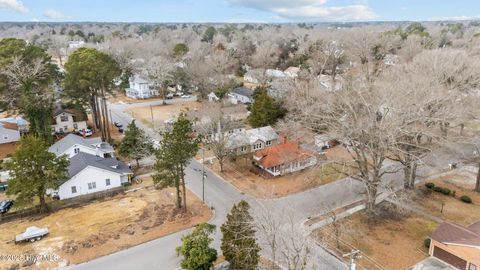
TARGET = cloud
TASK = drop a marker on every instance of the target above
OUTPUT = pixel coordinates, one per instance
(14, 5)
(310, 9)
(53, 14)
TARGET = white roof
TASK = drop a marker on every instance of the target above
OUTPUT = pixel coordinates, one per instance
(275, 73)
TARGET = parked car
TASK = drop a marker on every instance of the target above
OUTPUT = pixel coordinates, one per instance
(186, 96)
(3, 187)
(86, 132)
(169, 96)
(118, 124)
(156, 144)
(5, 206)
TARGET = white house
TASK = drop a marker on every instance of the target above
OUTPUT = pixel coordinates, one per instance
(323, 141)
(75, 44)
(68, 120)
(72, 145)
(89, 174)
(9, 133)
(240, 94)
(212, 97)
(391, 59)
(140, 88)
(275, 73)
(292, 72)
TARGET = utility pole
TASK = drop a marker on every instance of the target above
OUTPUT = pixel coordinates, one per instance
(151, 114)
(203, 175)
(355, 254)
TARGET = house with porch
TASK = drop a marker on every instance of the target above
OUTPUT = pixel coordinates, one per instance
(286, 157)
(140, 88)
(68, 120)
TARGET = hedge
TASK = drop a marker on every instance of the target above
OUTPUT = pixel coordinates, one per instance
(466, 199)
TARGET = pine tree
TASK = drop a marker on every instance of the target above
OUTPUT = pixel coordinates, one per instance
(195, 249)
(177, 147)
(239, 244)
(265, 110)
(136, 144)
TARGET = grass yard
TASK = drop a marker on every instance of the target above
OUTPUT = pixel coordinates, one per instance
(393, 244)
(121, 98)
(162, 112)
(453, 209)
(104, 226)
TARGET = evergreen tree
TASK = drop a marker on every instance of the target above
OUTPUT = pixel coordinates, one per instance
(33, 170)
(195, 249)
(136, 144)
(265, 110)
(239, 244)
(177, 147)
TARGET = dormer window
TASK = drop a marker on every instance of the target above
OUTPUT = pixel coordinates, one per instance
(64, 118)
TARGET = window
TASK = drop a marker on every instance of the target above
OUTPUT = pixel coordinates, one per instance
(75, 125)
(269, 143)
(107, 182)
(74, 189)
(92, 185)
(64, 118)
(5, 137)
(76, 150)
(472, 267)
(243, 148)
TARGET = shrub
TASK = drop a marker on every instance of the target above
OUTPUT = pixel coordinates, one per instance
(446, 191)
(430, 185)
(466, 199)
(454, 193)
(437, 189)
(426, 242)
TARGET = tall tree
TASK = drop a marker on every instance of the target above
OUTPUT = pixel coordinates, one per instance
(136, 144)
(195, 249)
(265, 110)
(34, 170)
(239, 245)
(26, 83)
(89, 77)
(177, 147)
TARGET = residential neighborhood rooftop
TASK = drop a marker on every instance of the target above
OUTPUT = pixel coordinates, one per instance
(452, 233)
(281, 153)
(62, 145)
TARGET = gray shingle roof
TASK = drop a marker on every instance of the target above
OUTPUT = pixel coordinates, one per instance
(82, 160)
(68, 141)
(250, 136)
(243, 91)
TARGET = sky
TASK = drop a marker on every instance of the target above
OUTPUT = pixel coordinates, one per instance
(239, 11)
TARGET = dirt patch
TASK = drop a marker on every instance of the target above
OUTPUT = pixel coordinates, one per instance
(162, 113)
(449, 208)
(390, 244)
(7, 149)
(103, 227)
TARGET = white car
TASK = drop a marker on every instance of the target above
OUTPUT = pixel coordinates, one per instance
(86, 132)
(186, 96)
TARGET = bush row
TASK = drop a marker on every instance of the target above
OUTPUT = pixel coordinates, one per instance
(448, 192)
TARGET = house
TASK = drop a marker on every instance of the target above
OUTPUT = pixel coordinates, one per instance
(68, 120)
(73, 144)
(292, 72)
(212, 97)
(140, 88)
(324, 141)
(241, 94)
(89, 174)
(248, 141)
(326, 83)
(9, 133)
(391, 59)
(457, 245)
(75, 44)
(21, 123)
(287, 157)
(275, 73)
(252, 76)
